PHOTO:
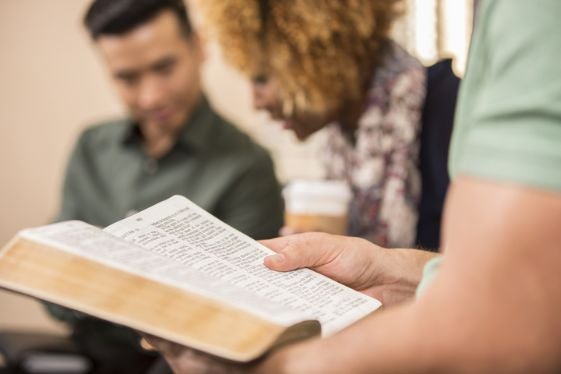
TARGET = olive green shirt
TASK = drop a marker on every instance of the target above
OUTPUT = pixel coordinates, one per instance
(109, 176)
(508, 121)
(213, 164)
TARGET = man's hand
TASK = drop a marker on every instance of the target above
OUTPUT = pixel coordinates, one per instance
(185, 360)
(390, 275)
(355, 262)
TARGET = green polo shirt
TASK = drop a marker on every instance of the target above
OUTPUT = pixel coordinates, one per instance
(508, 121)
(213, 164)
(109, 176)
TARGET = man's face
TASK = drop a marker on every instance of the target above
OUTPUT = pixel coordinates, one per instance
(267, 96)
(156, 70)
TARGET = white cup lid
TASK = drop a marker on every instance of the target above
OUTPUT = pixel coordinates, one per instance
(317, 197)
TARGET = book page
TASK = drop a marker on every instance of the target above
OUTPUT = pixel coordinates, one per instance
(91, 242)
(196, 250)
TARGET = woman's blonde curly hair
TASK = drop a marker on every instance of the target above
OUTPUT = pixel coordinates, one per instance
(320, 51)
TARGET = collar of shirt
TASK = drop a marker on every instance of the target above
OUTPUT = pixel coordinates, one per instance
(195, 135)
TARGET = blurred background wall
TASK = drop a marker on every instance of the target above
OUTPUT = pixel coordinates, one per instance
(52, 85)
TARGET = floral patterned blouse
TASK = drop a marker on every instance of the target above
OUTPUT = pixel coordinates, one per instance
(381, 166)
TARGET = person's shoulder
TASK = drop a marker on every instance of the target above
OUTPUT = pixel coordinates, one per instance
(398, 59)
(399, 69)
(399, 75)
(502, 22)
(506, 10)
(236, 143)
(103, 133)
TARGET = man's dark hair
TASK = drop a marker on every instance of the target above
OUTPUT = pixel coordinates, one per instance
(115, 17)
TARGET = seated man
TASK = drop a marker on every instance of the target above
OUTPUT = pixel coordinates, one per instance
(173, 143)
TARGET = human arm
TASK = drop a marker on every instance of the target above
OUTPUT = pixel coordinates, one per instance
(494, 301)
(69, 208)
(253, 202)
(389, 275)
(492, 307)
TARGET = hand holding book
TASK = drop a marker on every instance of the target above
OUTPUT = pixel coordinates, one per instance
(354, 262)
(176, 272)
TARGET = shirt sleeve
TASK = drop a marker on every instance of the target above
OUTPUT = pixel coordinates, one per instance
(69, 206)
(515, 113)
(512, 100)
(253, 203)
(429, 273)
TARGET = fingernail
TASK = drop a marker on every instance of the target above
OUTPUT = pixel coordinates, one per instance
(277, 258)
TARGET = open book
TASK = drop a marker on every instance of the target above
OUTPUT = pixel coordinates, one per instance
(175, 271)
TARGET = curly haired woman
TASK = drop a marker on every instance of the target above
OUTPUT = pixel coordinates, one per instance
(331, 63)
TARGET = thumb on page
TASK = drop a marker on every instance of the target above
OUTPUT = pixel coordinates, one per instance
(292, 253)
(277, 262)
(283, 261)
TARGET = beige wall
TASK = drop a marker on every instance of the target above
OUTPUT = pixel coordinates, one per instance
(52, 85)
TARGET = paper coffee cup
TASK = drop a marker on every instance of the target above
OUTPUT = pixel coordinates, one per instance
(317, 205)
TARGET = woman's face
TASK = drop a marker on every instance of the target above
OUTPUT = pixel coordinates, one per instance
(267, 96)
